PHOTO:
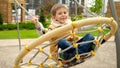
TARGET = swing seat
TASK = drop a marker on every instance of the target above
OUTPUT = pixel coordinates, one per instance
(61, 32)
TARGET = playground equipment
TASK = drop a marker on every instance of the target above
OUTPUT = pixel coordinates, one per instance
(39, 45)
(63, 32)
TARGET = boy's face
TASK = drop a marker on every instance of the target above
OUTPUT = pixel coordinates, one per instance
(61, 15)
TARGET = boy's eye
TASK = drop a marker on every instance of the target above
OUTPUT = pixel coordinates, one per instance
(62, 13)
(65, 12)
(59, 13)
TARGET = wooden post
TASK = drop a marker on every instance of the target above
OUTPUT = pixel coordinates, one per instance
(22, 14)
(9, 13)
(6, 10)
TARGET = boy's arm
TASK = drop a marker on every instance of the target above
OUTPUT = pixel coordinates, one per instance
(38, 25)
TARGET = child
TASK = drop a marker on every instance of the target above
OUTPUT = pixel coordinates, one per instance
(60, 17)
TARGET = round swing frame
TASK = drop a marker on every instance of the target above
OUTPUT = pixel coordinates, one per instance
(62, 31)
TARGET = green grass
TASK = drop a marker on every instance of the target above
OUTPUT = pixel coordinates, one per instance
(13, 34)
(95, 33)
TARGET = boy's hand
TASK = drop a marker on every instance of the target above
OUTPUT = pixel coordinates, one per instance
(34, 19)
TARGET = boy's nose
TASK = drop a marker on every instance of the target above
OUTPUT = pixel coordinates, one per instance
(63, 15)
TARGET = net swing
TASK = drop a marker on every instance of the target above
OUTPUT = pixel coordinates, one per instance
(64, 32)
(39, 47)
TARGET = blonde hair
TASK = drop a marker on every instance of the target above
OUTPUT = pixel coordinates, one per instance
(56, 7)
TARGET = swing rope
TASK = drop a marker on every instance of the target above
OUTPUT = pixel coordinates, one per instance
(41, 26)
(18, 30)
(85, 8)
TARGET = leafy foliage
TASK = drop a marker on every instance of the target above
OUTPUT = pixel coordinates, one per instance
(76, 17)
(23, 25)
(97, 7)
(42, 18)
(1, 19)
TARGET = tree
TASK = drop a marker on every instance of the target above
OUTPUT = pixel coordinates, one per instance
(1, 19)
(42, 17)
(97, 7)
(47, 5)
(45, 8)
